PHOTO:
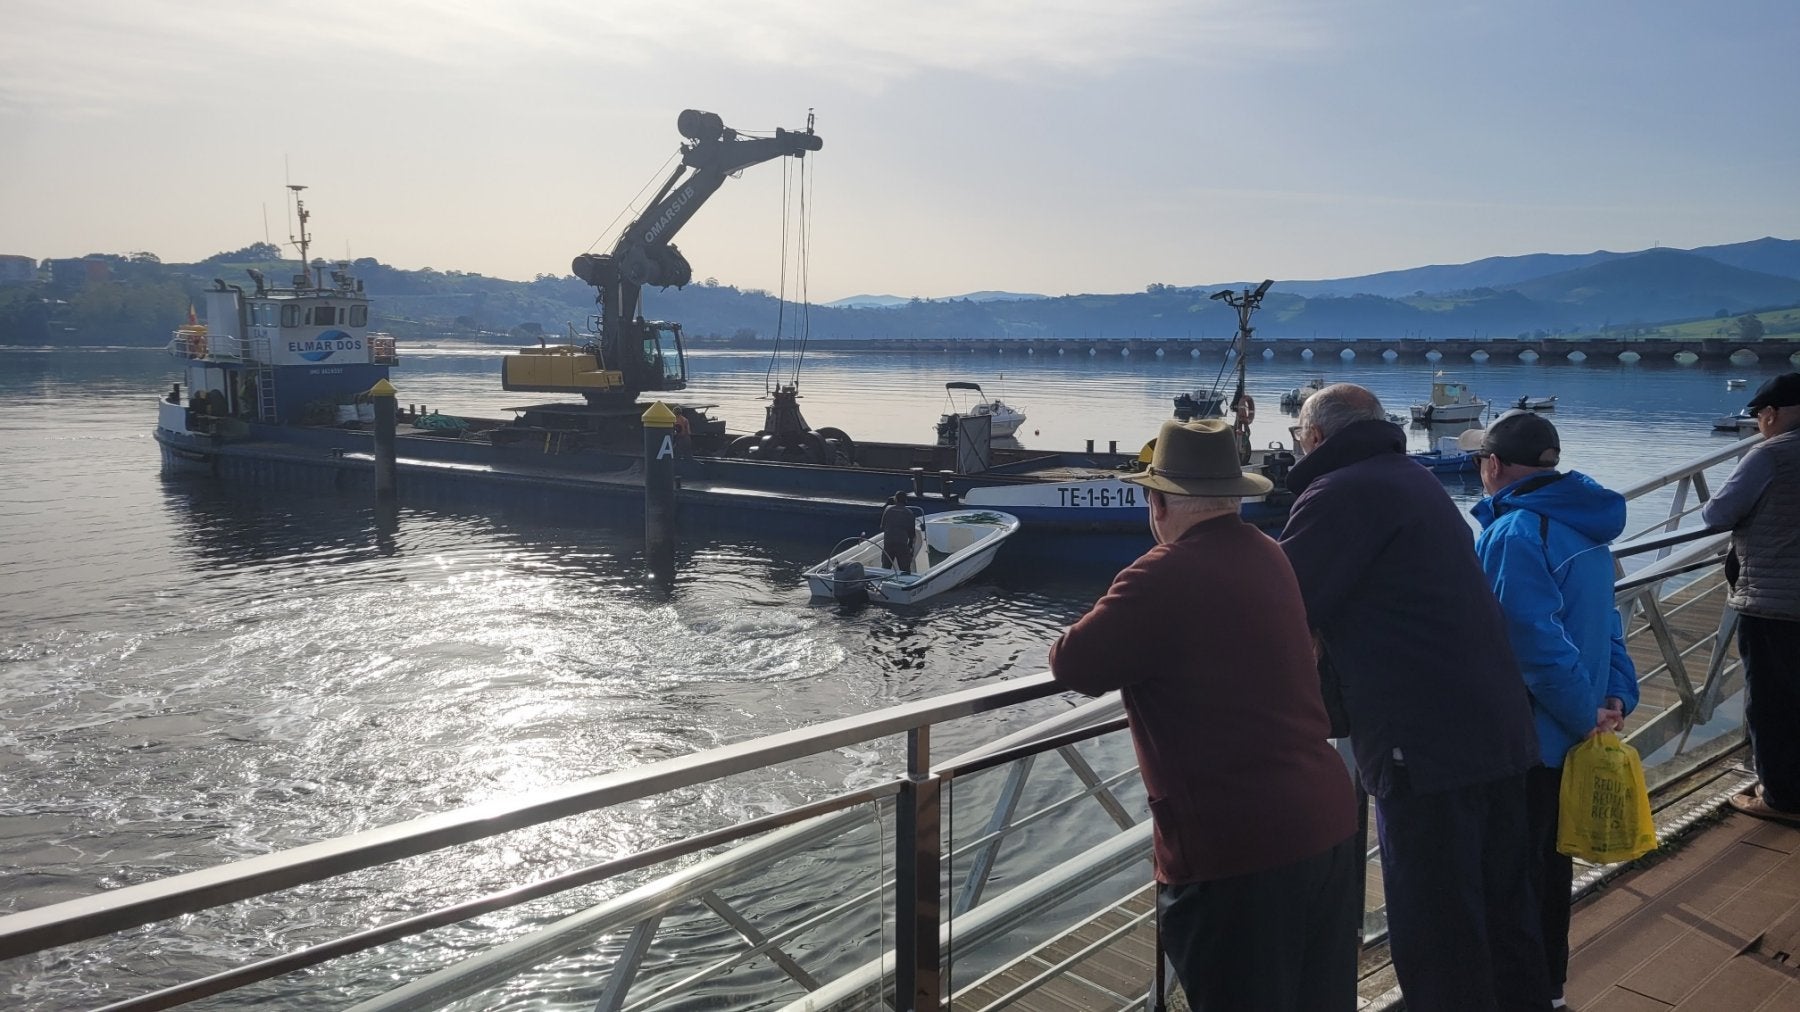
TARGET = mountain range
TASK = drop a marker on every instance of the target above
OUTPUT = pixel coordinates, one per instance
(1535, 295)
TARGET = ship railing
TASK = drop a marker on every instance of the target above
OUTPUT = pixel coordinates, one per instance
(916, 879)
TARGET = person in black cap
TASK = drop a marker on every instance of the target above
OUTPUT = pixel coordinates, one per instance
(1543, 546)
(1760, 502)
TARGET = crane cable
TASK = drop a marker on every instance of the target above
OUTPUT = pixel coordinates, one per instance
(631, 206)
(803, 269)
(781, 285)
(799, 237)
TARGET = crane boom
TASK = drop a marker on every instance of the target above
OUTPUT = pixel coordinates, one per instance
(648, 355)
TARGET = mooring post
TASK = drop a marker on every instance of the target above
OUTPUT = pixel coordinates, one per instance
(386, 405)
(659, 488)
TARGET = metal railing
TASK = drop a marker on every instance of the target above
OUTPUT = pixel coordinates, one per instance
(927, 931)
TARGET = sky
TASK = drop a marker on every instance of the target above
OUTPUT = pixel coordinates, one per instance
(1054, 146)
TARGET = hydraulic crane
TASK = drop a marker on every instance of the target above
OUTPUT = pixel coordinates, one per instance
(629, 354)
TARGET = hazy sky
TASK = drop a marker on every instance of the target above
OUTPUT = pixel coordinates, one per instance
(1053, 146)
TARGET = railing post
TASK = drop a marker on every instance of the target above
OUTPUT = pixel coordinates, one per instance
(916, 860)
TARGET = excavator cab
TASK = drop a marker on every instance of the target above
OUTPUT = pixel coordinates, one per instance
(664, 361)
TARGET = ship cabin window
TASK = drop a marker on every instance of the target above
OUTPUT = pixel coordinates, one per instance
(322, 316)
(263, 314)
(290, 316)
(359, 316)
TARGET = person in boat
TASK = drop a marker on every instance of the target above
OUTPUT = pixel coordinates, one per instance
(1438, 717)
(1543, 545)
(1760, 503)
(898, 535)
(1253, 814)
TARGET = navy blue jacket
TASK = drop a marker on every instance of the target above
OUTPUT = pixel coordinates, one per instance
(1543, 545)
(1387, 567)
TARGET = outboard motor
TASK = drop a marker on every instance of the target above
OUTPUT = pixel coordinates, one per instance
(1276, 465)
(850, 583)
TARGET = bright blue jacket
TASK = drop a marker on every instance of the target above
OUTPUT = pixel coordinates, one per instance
(1543, 545)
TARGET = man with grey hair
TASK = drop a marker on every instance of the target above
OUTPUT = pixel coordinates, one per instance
(1439, 719)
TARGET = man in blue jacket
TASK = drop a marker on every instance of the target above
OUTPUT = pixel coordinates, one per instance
(1543, 546)
(1438, 716)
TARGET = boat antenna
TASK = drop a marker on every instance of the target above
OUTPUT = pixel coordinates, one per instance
(301, 213)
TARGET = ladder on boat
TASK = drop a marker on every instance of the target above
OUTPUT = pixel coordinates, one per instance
(263, 354)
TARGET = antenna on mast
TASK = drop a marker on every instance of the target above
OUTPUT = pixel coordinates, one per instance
(301, 243)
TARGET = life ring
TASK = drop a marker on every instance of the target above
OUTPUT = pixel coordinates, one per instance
(1245, 410)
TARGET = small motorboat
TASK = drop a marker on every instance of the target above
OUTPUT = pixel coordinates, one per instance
(1295, 398)
(1450, 402)
(1004, 419)
(1743, 421)
(950, 550)
(1529, 403)
(1734, 384)
(1448, 458)
(1199, 404)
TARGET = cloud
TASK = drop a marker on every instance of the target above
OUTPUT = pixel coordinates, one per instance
(110, 56)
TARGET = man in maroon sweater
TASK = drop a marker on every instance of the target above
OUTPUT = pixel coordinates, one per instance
(1205, 637)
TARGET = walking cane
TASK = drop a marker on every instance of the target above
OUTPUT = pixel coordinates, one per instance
(1157, 1001)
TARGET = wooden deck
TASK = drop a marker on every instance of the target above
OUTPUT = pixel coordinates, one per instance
(1714, 927)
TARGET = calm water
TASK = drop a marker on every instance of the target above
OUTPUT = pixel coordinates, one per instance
(190, 674)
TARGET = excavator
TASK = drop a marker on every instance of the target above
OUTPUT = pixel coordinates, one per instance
(627, 355)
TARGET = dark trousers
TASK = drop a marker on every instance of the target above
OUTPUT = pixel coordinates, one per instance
(897, 555)
(1282, 940)
(1770, 648)
(1553, 873)
(1462, 915)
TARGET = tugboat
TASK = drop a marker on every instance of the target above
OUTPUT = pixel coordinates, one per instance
(300, 354)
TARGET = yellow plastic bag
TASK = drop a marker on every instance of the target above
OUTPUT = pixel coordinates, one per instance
(1604, 809)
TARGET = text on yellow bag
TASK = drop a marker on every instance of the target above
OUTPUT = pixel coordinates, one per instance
(1604, 812)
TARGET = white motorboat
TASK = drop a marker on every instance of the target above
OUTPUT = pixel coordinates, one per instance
(950, 550)
(1294, 399)
(1004, 419)
(1450, 402)
(1529, 403)
(1741, 422)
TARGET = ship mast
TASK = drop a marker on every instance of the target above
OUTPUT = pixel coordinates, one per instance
(301, 243)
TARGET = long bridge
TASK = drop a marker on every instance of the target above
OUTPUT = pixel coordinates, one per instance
(1576, 349)
(1013, 874)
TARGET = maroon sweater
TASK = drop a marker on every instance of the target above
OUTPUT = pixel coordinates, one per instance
(1206, 639)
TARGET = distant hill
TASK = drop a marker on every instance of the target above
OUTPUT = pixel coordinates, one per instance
(1542, 294)
(890, 301)
(868, 302)
(1659, 284)
(1780, 257)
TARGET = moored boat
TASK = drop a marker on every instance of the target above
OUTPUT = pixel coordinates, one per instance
(950, 550)
(1003, 419)
(1450, 402)
(1742, 421)
(1529, 403)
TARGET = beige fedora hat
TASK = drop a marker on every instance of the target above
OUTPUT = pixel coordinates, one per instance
(1198, 458)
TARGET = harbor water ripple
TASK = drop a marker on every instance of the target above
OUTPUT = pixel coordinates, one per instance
(192, 674)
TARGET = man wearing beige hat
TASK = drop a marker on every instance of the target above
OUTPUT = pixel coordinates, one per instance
(1254, 817)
